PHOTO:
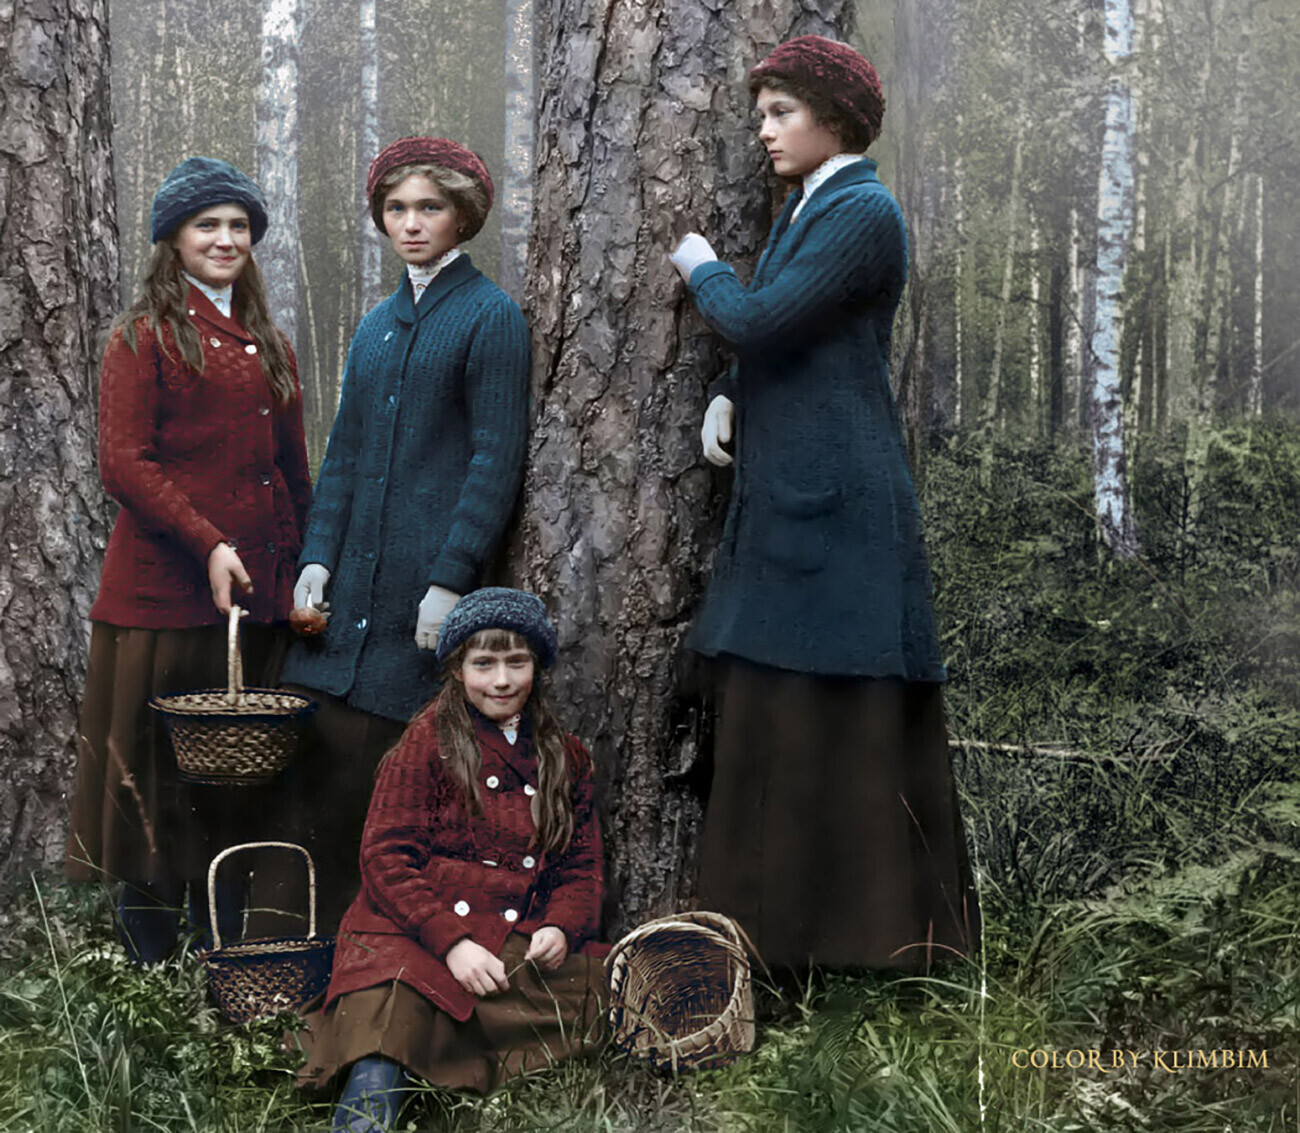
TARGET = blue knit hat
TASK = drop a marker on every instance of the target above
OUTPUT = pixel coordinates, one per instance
(496, 607)
(199, 183)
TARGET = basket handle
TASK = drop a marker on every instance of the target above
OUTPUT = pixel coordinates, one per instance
(212, 883)
(234, 665)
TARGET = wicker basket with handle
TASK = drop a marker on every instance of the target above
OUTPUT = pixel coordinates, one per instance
(681, 991)
(256, 978)
(234, 735)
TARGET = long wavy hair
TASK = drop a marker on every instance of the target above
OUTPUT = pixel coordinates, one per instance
(458, 746)
(162, 300)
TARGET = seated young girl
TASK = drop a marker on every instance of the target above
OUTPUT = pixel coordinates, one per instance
(464, 959)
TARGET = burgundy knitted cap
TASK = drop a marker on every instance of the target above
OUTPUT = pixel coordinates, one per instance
(424, 151)
(832, 70)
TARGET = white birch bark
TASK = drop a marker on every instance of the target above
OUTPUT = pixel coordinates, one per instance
(959, 269)
(1114, 230)
(370, 241)
(277, 160)
(1035, 329)
(517, 187)
(1255, 391)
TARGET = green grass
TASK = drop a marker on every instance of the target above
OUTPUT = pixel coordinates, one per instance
(1133, 802)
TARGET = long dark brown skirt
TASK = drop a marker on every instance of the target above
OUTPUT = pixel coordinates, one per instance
(543, 1018)
(832, 832)
(133, 818)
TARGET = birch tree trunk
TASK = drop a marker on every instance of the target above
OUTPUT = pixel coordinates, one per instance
(644, 127)
(517, 190)
(959, 278)
(993, 410)
(1114, 229)
(370, 244)
(58, 292)
(277, 160)
(1255, 390)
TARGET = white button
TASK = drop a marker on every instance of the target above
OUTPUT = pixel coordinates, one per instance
(529, 789)
(461, 908)
(529, 862)
(215, 341)
(486, 862)
(250, 349)
(493, 782)
(193, 311)
(511, 915)
(264, 411)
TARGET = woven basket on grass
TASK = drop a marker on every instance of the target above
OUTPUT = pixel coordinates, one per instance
(257, 978)
(234, 735)
(681, 992)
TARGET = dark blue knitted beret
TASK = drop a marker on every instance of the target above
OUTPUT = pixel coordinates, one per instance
(496, 607)
(199, 183)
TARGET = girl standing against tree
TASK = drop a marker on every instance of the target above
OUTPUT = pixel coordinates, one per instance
(201, 443)
(421, 473)
(832, 831)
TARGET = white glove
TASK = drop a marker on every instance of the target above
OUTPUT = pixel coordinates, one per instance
(691, 252)
(309, 590)
(434, 608)
(716, 431)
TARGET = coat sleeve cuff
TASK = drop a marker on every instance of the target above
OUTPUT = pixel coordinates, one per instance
(441, 931)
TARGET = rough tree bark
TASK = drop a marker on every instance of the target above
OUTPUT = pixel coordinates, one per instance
(644, 128)
(58, 291)
(277, 159)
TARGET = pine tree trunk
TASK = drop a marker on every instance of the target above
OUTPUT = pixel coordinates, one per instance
(58, 292)
(277, 160)
(644, 127)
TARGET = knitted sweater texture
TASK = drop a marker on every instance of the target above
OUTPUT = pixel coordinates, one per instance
(433, 874)
(194, 460)
(821, 567)
(421, 472)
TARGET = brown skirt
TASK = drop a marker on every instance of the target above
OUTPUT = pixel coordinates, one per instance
(133, 818)
(832, 832)
(543, 1018)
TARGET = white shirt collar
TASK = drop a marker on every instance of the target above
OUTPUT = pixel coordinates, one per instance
(422, 274)
(220, 296)
(819, 176)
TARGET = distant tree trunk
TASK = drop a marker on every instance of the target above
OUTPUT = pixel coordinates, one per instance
(58, 291)
(959, 277)
(370, 251)
(1255, 394)
(277, 159)
(994, 412)
(644, 126)
(1035, 329)
(517, 191)
(1114, 229)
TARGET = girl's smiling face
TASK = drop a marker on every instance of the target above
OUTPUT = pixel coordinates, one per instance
(497, 681)
(796, 142)
(213, 244)
(420, 220)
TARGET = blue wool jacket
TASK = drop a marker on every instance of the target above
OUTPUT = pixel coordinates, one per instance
(421, 472)
(821, 568)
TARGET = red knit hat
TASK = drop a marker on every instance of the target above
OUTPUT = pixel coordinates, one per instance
(424, 151)
(831, 70)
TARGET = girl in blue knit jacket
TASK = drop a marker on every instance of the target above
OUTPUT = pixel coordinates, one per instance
(421, 473)
(832, 832)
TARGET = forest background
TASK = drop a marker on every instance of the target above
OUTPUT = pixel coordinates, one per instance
(1096, 364)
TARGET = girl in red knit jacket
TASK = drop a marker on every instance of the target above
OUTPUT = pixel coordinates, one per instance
(201, 443)
(468, 957)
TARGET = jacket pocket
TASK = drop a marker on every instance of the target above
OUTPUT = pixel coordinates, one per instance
(795, 530)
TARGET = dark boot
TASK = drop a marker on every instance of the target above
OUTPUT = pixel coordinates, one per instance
(372, 1097)
(149, 918)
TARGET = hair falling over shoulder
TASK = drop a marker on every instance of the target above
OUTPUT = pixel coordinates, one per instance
(458, 745)
(162, 300)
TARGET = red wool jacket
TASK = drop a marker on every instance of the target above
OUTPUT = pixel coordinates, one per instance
(431, 874)
(194, 460)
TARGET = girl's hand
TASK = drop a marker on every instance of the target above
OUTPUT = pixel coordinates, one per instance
(476, 969)
(718, 422)
(224, 570)
(548, 948)
(434, 608)
(691, 252)
(309, 590)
